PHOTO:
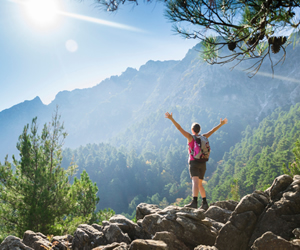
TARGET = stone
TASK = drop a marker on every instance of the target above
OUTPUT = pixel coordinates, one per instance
(37, 241)
(250, 203)
(62, 242)
(270, 241)
(215, 224)
(133, 230)
(13, 243)
(228, 205)
(188, 225)
(87, 237)
(282, 215)
(218, 214)
(113, 246)
(144, 209)
(113, 234)
(171, 240)
(279, 185)
(140, 244)
(237, 232)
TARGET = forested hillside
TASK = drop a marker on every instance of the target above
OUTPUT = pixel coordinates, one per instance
(260, 156)
(127, 177)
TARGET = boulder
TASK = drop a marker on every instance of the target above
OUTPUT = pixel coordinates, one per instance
(282, 215)
(140, 244)
(215, 224)
(270, 241)
(87, 237)
(13, 243)
(133, 230)
(236, 233)
(187, 224)
(113, 233)
(171, 240)
(62, 242)
(228, 205)
(279, 185)
(113, 246)
(37, 241)
(144, 209)
(218, 214)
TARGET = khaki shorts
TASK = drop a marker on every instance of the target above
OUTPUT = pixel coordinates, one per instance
(197, 169)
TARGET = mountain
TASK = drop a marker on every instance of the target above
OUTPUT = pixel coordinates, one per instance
(114, 106)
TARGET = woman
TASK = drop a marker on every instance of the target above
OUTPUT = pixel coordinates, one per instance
(197, 169)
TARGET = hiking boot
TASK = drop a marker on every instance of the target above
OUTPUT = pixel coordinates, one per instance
(204, 205)
(193, 204)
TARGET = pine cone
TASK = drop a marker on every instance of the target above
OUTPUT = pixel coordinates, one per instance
(231, 46)
(271, 40)
(275, 48)
(281, 40)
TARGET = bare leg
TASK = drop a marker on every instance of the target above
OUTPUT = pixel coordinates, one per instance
(201, 189)
(195, 185)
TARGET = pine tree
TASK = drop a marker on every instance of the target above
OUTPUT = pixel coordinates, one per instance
(84, 191)
(38, 193)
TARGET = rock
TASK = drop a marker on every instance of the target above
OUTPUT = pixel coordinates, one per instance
(113, 246)
(113, 234)
(13, 243)
(37, 241)
(144, 209)
(283, 215)
(62, 242)
(148, 245)
(217, 225)
(171, 240)
(218, 214)
(127, 226)
(250, 203)
(87, 237)
(270, 241)
(228, 205)
(279, 185)
(187, 224)
(236, 233)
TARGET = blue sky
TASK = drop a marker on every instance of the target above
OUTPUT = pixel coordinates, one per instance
(78, 50)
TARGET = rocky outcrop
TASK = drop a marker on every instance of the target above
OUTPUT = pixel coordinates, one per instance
(260, 221)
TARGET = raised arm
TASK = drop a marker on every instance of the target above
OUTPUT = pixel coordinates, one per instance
(222, 122)
(187, 135)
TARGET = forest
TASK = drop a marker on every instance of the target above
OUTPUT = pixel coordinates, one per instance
(158, 174)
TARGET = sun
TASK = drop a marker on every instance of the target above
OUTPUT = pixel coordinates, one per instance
(42, 13)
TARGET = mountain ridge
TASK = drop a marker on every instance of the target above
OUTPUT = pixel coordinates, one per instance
(93, 115)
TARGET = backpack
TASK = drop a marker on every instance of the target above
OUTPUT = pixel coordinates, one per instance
(201, 149)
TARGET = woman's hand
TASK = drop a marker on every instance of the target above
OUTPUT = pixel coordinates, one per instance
(222, 122)
(168, 115)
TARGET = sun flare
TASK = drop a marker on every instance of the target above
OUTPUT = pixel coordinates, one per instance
(42, 13)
